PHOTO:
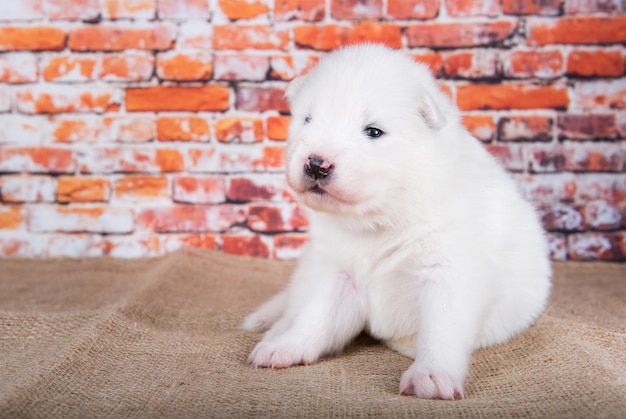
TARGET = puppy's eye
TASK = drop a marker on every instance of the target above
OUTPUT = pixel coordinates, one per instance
(307, 119)
(373, 132)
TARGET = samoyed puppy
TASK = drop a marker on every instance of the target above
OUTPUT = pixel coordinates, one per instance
(417, 235)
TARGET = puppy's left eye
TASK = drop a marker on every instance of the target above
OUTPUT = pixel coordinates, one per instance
(307, 119)
(373, 132)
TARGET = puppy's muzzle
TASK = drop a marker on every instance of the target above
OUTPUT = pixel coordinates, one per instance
(317, 168)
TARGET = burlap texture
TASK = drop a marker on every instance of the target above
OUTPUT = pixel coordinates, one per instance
(161, 338)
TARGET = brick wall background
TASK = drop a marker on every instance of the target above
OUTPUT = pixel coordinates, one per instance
(133, 127)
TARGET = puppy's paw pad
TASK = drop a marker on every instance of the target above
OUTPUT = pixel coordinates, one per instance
(270, 355)
(430, 385)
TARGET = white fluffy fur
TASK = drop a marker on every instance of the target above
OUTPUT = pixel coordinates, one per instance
(420, 238)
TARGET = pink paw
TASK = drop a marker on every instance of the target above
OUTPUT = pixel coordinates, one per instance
(427, 384)
(272, 355)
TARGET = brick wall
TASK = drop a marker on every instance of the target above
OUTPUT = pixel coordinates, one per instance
(134, 127)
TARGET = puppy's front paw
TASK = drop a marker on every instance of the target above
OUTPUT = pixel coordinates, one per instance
(280, 355)
(428, 384)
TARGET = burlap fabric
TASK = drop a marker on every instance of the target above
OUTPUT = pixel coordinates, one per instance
(161, 338)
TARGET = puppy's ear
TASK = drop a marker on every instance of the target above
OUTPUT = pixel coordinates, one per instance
(294, 87)
(431, 113)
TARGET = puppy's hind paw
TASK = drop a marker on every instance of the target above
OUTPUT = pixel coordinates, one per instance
(427, 384)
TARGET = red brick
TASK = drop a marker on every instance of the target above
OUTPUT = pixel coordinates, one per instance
(277, 127)
(237, 158)
(18, 68)
(80, 189)
(577, 30)
(289, 246)
(459, 34)
(131, 160)
(182, 128)
(142, 188)
(174, 65)
(191, 218)
(557, 246)
(560, 216)
(19, 247)
(356, 9)
(596, 63)
(546, 158)
(332, 36)
(245, 245)
(61, 245)
(600, 94)
(511, 96)
(572, 7)
(239, 129)
(119, 37)
(477, 64)
(288, 67)
(531, 7)
(301, 10)
(620, 124)
(22, 10)
(257, 188)
(549, 188)
(69, 68)
(20, 129)
(177, 98)
(135, 9)
(595, 157)
(111, 220)
(606, 186)
(433, 60)
(533, 63)
(525, 128)
(239, 9)
(5, 99)
(274, 158)
(11, 217)
(587, 126)
(265, 218)
(204, 159)
(260, 99)
(195, 35)
(238, 37)
(27, 188)
(72, 10)
(173, 242)
(199, 190)
(129, 128)
(184, 9)
(597, 246)
(413, 9)
(510, 156)
(480, 126)
(605, 215)
(34, 38)
(127, 67)
(128, 246)
(57, 99)
(37, 159)
(241, 67)
(473, 7)
(74, 129)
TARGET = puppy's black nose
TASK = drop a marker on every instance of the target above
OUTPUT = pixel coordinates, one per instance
(317, 168)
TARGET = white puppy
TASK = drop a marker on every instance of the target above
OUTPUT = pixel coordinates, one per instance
(417, 235)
